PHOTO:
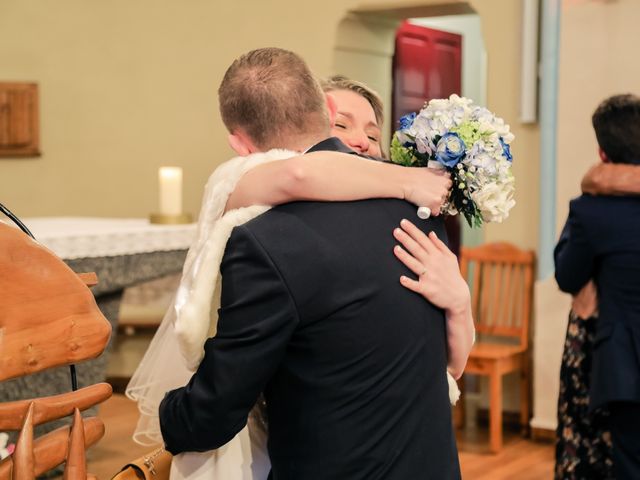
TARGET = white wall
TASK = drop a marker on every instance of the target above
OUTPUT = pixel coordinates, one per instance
(599, 55)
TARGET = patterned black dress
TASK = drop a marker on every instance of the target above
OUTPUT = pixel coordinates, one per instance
(583, 445)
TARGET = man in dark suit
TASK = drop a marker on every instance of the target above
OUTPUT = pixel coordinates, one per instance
(352, 364)
(601, 240)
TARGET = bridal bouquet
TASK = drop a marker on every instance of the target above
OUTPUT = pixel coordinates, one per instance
(472, 144)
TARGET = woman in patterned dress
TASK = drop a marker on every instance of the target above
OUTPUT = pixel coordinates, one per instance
(583, 442)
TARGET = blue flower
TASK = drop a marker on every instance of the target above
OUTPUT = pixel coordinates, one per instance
(450, 149)
(407, 120)
(506, 150)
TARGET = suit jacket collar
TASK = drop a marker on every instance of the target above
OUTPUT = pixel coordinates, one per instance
(333, 144)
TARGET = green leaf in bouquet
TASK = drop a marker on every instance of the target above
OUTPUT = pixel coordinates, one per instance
(401, 154)
(469, 132)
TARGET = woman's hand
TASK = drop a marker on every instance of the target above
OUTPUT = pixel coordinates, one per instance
(439, 279)
(426, 187)
(440, 282)
(585, 302)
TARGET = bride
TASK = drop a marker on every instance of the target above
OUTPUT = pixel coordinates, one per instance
(239, 190)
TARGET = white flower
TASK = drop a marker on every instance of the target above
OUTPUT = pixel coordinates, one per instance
(458, 101)
(482, 115)
(439, 104)
(423, 145)
(481, 156)
(426, 126)
(503, 167)
(403, 137)
(508, 136)
(495, 200)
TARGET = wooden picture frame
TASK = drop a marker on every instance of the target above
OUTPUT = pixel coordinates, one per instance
(19, 120)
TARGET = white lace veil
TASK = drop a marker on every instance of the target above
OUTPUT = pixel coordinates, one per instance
(177, 347)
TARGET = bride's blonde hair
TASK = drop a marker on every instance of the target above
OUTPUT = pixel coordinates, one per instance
(340, 82)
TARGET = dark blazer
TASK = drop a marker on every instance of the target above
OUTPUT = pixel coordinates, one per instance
(351, 363)
(601, 240)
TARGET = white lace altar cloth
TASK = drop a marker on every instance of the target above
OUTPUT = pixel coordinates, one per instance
(91, 237)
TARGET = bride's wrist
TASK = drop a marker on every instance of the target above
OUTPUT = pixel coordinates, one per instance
(460, 308)
(407, 183)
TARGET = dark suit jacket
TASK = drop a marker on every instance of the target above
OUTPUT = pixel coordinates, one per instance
(352, 364)
(601, 240)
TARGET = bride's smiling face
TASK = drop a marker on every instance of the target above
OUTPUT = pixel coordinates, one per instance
(356, 123)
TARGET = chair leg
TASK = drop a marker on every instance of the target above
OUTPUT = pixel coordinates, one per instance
(525, 392)
(495, 410)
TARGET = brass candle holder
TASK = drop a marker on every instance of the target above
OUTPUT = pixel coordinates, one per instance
(166, 219)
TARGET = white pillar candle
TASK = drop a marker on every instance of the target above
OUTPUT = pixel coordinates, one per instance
(170, 179)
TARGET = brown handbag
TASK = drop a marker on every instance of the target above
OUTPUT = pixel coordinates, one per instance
(155, 465)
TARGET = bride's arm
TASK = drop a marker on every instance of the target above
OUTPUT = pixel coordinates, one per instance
(440, 282)
(460, 338)
(334, 176)
(612, 179)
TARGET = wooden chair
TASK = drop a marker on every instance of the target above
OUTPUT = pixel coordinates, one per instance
(500, 276)
(48, 318)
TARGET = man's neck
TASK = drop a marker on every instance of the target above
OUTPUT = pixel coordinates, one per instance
(304, 143)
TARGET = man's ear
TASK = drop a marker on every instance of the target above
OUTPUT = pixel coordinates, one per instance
(332, 107)
(240, 144)
(603, 156)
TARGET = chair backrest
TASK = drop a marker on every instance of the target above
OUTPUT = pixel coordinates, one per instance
(48, 318)
(500, 276)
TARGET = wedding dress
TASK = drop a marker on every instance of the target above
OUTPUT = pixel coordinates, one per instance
(178, 346)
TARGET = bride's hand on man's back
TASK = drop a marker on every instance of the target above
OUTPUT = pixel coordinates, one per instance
(427, 187)
(439, 279)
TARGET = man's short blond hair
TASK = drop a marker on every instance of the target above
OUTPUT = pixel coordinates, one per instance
(272, 96)
(340, 82)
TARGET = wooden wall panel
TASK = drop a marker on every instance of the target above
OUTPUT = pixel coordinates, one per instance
(19, 120)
